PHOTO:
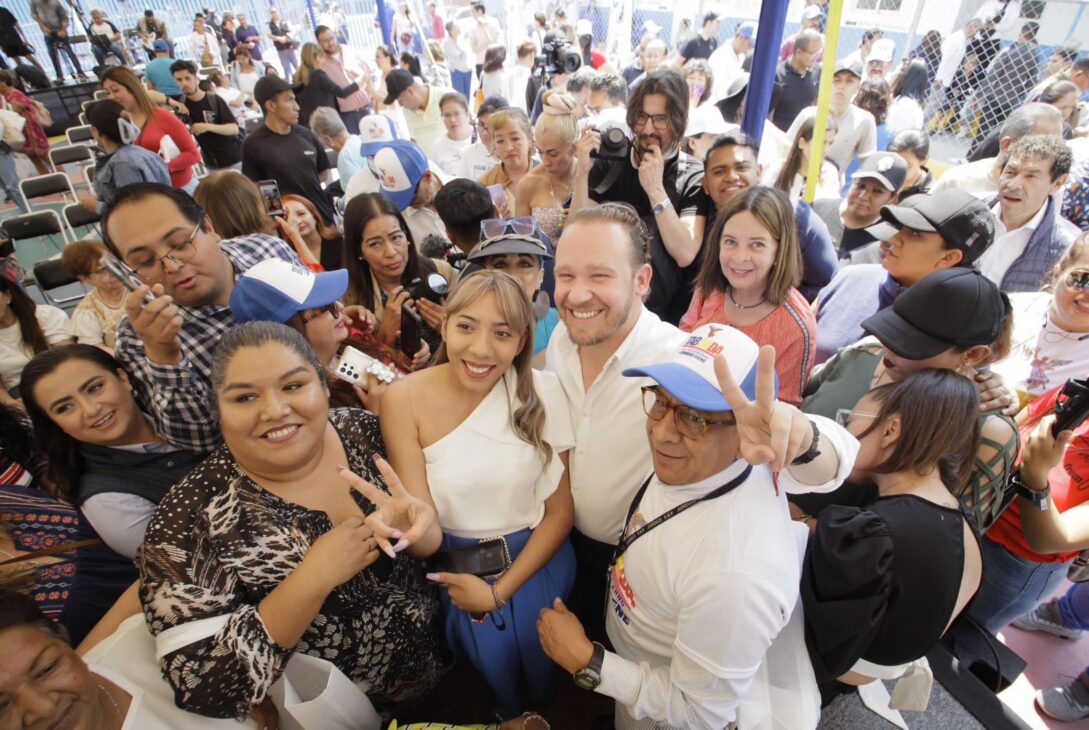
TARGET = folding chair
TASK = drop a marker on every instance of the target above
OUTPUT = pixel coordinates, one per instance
(69, 154)
(50, 275)
(83, 118)
(87, 104)
(76, 216)
(79, 134)
(39, 224)
(89, 175)
(43, 185)
(101, 94)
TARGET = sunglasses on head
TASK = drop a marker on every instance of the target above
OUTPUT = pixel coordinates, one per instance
(1078, 279)
(489, 242)
(494, 227)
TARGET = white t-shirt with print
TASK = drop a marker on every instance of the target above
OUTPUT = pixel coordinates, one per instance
(15, 354)
(450, 154)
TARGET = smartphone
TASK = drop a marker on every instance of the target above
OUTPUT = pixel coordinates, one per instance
(354, 366)
(411, 327)
(483, 561)
(123, 273)
(1071, 406)
(499, 195)
(270, 193)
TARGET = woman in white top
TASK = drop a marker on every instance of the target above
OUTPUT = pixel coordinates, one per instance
(478, 159)
(448, 151)
(519, 75)
(245, 71)
(26, 329)
(791, 177)
(1051, 329)
(95, 319)
(484, 398)
(909, 92)
(493, 80)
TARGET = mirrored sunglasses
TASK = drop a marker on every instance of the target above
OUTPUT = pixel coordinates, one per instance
(493, 227)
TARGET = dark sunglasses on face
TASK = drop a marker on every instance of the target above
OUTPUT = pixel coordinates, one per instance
(309, 315)
(1078, 279)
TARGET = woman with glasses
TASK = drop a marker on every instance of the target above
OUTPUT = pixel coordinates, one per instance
(512, 144)
(548, 187)
(157, 130)
(752, 266)
(954, 319)
(512, 519)
(448, 152)
(1051, 329)
(383, 262)
(882, 581)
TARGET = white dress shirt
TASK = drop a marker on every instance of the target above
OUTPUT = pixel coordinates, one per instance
(953, 49)
(1008, 245)
(974, 177)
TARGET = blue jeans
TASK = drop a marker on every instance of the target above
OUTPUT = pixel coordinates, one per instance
(1074, 608)
(100, 53)
(9, 179)
(463, 82)
(1012, 586)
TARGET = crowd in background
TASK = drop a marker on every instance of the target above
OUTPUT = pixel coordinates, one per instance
(423, 343)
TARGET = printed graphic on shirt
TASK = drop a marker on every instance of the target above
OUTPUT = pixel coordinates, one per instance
(623, 598)
(1038, 378)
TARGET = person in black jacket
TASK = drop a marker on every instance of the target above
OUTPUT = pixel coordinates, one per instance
(317, 88)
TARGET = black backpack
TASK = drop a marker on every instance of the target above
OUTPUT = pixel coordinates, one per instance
(32, 76)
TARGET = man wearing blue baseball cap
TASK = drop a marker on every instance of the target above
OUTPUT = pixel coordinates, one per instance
(158, 72)
(405, 177)
(709, 528)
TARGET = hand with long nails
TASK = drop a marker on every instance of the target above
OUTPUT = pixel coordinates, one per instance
(399, 516)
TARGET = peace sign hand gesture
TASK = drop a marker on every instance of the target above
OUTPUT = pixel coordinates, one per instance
(400, 519)
(771, 432)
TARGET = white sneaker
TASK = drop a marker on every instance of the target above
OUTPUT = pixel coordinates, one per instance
(1043, 619)
(1067, 704)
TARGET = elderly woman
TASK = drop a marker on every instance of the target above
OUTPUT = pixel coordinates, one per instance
(271, 547)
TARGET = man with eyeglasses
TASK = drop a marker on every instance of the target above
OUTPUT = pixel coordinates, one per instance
(166, 343)
(708, 528)
(659, 180)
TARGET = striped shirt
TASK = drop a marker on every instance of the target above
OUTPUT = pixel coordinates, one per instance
(791, 329)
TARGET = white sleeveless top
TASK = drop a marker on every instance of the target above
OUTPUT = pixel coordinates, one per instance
(484, 479)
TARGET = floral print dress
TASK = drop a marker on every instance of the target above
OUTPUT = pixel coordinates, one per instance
(219, 543)
(37, 144)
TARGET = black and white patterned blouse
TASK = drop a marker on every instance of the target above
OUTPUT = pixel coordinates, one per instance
(219, 543)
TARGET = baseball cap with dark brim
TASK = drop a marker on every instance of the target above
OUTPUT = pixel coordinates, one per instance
(689, 375)
(962, 219)
(854, 67)
(267, 87)
(887, 168)
(955, 307)
(275, 290)
(510, 243)
(396, 82)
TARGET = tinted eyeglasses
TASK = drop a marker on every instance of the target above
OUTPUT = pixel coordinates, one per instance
(522, 225)
(1078, 279)
(309, 315)
(689, 422)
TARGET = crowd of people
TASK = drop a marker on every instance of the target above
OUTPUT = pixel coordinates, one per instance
(443, 358)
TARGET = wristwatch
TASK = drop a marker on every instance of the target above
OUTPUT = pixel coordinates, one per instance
(814, 448)
(662, 207)
(1040, 498)
(589, 677)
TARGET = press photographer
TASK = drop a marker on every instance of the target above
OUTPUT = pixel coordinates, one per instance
(655, 177)
(551, 69)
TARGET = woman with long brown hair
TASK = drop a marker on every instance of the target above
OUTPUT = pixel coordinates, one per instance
(160, 131)
(26, 329)
(483, 397)
(794, 173)
(318, 89)
(324, 241)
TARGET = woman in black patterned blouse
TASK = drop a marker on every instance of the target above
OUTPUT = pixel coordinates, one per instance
(265, 549)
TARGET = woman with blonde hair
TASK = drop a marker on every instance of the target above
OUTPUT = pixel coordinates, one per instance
(752, 266)
(483, 396)
(543, 192)
(512, 145)
(318, 89)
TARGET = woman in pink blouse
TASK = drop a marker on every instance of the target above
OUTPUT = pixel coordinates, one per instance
(751, 266)
(160, 131)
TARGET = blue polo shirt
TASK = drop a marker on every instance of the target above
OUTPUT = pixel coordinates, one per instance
(157, 72)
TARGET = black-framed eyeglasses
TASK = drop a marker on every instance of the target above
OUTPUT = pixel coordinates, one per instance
(660, 121)
(523, 225)
(689, 422)
(152, 267)
(1078, 279)
(309, 315)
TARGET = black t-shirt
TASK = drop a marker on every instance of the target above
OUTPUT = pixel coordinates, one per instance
(699, 48)
(282, 28)
(671, 285)
(294, 160)
(219, 150)
(797, 92)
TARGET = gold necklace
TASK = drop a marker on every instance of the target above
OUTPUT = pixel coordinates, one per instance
(116, 708)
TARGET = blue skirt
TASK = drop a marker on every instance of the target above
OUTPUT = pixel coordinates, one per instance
(512, 660)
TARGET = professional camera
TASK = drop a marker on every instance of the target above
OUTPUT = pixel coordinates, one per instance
(557, 55)
(433, 287)
(615, 145)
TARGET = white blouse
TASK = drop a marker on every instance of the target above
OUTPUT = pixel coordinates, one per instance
(477, 497)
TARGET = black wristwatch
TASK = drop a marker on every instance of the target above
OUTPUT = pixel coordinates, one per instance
(1040, 498)
(814, 447)
(589, 677)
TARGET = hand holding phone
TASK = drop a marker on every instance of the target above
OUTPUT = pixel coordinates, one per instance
(411, 328)
(270, 194)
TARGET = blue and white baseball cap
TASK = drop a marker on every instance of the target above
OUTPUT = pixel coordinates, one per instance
(689, 376)
(275, 290)
(375, 132)
(400, 165)
(747, 30)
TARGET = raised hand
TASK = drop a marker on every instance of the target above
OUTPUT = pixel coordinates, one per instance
(400, 519)
(157, 324)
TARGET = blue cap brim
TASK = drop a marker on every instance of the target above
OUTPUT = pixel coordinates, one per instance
(689, 388)
(255, 301)
(401, 198)
(370, 149)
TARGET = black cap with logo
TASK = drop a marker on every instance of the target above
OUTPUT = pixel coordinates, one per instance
(962, 219)
(396, 82)
(955, 307)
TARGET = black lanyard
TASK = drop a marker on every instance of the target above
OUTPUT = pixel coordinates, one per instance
(625, 542)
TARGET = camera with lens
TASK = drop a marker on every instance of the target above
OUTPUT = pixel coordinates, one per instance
(557, 55)
(615, 145)
(433, 287)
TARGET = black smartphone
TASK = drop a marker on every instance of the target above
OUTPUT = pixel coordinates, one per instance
(483, 561)
(270, 194)
(1071, 406)
(411, 327)
(123, 273)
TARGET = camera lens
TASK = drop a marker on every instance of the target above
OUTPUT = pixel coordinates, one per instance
(438, 284)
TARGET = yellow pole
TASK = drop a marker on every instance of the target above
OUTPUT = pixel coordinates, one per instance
(824, 96)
